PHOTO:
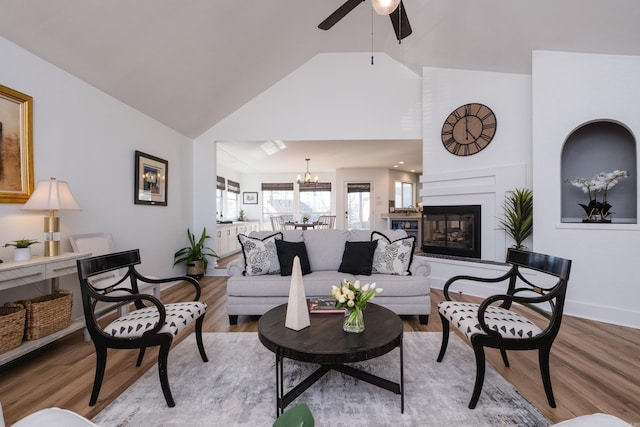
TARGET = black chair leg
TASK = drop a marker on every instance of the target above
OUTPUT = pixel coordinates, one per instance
(140, 357)
(445, 338)
(203, 354)
(101, 363)
(478, 349)
(233, 319)
(543, 357)
(424, 319)
(163, 356)
(503, 352)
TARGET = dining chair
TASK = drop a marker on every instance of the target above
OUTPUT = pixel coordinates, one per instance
(500, 326)
(326, 221)
(277, 223)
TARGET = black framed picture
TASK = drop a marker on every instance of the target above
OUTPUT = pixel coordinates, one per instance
(151, 177)
(250, 198)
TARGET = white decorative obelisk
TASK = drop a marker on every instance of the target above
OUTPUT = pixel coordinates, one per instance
(297, 311)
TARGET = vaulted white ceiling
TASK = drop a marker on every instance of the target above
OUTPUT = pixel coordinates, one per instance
(190, 63)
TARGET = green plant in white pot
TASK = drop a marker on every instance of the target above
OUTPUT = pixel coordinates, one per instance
(195, 255)
(518, 216)
(23, 249)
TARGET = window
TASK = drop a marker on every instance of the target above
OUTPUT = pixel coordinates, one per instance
(233, 195)
(404, 194)
(315, 199)
(277, 199)
(221, 185)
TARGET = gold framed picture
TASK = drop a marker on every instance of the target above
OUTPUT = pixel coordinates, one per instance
(16, 146)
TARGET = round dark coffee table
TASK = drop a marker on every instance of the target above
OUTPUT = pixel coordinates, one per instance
(325, 343)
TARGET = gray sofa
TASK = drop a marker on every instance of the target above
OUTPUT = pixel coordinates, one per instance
(256, 294)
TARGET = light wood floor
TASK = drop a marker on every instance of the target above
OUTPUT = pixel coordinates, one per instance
(595, 367)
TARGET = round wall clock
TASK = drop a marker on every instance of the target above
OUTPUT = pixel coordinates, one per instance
(468, 129)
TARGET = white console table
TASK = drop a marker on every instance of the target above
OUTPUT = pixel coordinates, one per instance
(37, 269)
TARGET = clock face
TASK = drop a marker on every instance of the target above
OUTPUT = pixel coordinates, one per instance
(469, 129)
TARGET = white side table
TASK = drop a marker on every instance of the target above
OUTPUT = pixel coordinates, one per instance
(23, 273)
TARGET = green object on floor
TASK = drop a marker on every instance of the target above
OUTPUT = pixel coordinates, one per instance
(298, 416)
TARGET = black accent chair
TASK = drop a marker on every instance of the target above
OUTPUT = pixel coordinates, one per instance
(497, 326)
(152, 323)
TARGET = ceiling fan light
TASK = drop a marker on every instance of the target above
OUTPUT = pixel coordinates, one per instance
(385, 7)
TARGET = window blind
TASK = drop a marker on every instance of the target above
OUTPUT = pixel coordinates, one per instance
(277, 186)
(318, 186)
(221, 183)
(358, 187)
(233, 187)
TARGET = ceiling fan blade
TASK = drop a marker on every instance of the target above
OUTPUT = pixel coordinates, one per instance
(340, 13)
(400, 22)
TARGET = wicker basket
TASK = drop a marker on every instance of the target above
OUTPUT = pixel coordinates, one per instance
(11, 326)
(48, 314)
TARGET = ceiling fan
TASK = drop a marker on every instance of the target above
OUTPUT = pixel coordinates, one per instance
(398, 17)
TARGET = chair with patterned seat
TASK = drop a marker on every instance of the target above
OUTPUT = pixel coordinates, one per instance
(506, 326)
(151, 324)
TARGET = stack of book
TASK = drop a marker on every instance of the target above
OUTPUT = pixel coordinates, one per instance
(324, 305)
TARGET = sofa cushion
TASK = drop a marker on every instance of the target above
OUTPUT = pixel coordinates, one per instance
(392, 257)
(357, 257)
(287, 251)
(260, 255)
(316, 284)
(325, 248)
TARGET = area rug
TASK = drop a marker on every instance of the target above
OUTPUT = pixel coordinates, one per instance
(237, 388)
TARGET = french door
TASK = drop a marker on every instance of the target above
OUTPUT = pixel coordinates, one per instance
(358, 203)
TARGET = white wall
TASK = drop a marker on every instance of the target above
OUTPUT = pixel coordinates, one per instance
(569, 90)
(332, 96)
(88, 138)
(483, 178)
(535, 116)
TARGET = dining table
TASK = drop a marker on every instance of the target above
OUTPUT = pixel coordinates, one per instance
(302, 225)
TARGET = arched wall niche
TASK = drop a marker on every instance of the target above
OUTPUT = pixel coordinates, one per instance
(594, 147)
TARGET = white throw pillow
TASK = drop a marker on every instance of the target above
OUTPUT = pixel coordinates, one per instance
(260, 255)
(392, 257)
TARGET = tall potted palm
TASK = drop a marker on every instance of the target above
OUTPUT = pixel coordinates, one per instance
(195, 255)
(518, 216)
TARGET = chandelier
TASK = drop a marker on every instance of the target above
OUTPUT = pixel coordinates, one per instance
(307, 176)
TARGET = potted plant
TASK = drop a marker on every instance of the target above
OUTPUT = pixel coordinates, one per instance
(518, 216)
(23, 249)
(241, 215)
(195, 255)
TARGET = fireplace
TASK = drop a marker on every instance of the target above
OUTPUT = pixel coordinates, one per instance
(451, 230)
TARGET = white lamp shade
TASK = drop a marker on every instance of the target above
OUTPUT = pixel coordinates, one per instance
(385, 7)
(52, 195)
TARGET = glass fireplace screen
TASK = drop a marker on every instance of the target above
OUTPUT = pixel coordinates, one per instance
(451, 230)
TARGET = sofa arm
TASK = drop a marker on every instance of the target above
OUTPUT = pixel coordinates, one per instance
(420, 266)
(235, 267)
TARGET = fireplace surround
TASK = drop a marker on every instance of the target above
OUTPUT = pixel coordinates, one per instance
(452, 230)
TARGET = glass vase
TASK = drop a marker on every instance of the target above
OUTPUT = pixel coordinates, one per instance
(354, 321)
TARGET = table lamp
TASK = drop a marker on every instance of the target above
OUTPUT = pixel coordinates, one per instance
(52, 196)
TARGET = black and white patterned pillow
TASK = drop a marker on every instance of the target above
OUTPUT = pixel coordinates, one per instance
(260, 255)
(392, 257)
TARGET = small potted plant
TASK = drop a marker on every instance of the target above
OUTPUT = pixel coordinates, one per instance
(518, 216)
(241, 215)
(195, 255)
(23, 249)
